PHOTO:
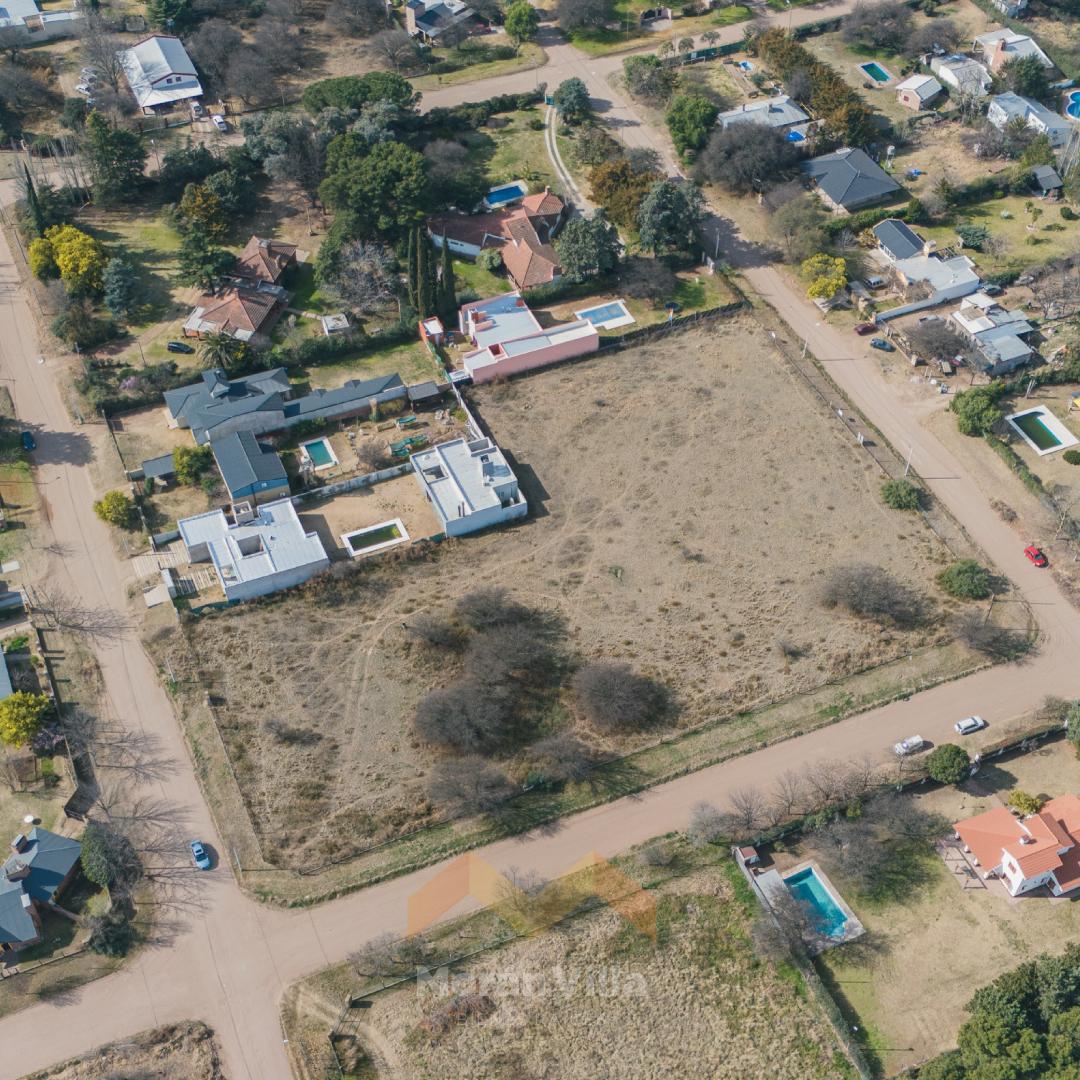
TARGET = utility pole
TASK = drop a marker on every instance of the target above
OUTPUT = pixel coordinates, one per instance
(907, 466)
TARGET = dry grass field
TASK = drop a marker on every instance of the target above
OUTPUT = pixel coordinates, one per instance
(688, 498)
(594, 997)
(184, 1051)
(907, 985)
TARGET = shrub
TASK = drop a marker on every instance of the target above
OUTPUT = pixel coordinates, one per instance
(901, 495)
(614, 697)
(1068, 213)
(111, 934)
(871, 592)
(468, 785)
(514, 653)
(948, 764)
(21, 714)
(482, 609)
(965, 579)
(707, 825)
(433, 631)
(190, 462)
(116, 508)
(466, 716)
(1024, 802)
(563, 758)
(108, 858)
(490, 259)
(976, 410)
(1071, 457)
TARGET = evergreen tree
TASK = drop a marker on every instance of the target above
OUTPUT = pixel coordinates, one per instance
(410, 267)
(447, 285)
(425, 294)
(123, 288)
(115, 157)
(34, 212)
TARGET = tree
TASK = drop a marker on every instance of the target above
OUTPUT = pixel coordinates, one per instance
(78, 258)
(396, 49)
(116, 508)
(289, 146)
(115, 158)
(200, 208)
(690, 119)
(938, 33)
(490, 259)
(357, 18)
(648, 79)
(34, 213)
(948, 764)
(621, 189)
(670, 216)
(468, 785)
(111, 934)
(190, 462)
(522, 22)
(746, 157)
(588, 247)
(425, 276)
(384, 186)
(871, 592)
(572, 14)
(123, 289)
(79, 325)
(1026, 76)
(42, 259)
(452, 173)
(826, 275)
(901, 495)
(214, 46)
(200, 262)
(448, 303)
(365, 276)
(976, 410)
(223, 351)
(21, 715)
(109, 859)
(490, 607)
(571, 98)
(966, 579)
(387, 957)
(614, 697)
(1024, 803)
(707, 825)
(466, 716)
(748, 808)
(102, 50)
(936, 340)
(562, 758)
(355, 91)
(885, 25)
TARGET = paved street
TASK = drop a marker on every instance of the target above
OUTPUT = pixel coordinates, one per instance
(225, 959)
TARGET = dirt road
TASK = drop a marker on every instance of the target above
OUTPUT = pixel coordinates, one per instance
(224, 959)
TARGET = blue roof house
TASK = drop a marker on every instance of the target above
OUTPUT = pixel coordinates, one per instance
(252, 472)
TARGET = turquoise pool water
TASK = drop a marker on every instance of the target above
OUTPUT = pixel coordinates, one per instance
(810, 891)
(319, 453)
(875, 71)
(602, 313)
(506, 194)
(1073, 108)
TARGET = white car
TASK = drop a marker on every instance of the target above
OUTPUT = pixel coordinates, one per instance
(968, 725)
(85, 89)
(911, 745)
(197, 111)
(219, 122)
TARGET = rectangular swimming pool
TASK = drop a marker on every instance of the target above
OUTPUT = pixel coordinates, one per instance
(319, 453)
(508, 193)
(1041, 430)
(607, 316)
(876, 72)
(813, 894)
(1031, 424)
(375, 537)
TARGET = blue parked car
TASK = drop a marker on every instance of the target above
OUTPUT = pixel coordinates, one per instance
(28, 443)
(199, 855)
(882, 344)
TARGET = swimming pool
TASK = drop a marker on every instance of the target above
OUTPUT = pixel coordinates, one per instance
(1042, 430)
(1073, 108)
(875, 71)
(508, 193)
(319, 452)
(607, 316)
(814, 894)
(375, 537)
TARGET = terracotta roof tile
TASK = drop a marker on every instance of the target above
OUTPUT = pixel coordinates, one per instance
(236, 309)
(264, 260)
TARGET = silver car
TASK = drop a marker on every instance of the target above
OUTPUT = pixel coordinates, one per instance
(911, 745)
(968, 725)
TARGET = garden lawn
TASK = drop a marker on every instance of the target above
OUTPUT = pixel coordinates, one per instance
(307, 295)
(411, 361)
(600, 41)
(474, 282)
(530, 55)
(514, 151)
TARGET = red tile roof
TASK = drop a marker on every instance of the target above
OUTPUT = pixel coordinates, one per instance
(236, 309)
(264, 260)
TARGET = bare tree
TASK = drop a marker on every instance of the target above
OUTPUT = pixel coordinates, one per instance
(100, 49)
(484, 608)
(357, 18)
(747, 808)
(466, 716)
(707, 825)
(13, 39)
(1056, 288)
(59, 611)
(366, 277)
(788, 927)
(468, 785)
(433, 630)
(213, 46)
(279, 50)
(615, 697)
(395, 49)
(563, 757)
(787, 796)
(871, 592)
(517, 653)
(936, 339)
(388, 957)
(826, 783)
(990, 640)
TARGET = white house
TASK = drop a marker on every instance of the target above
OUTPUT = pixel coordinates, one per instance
(258, 553)
(962, 74)
(1041, 849)
(1009, 106)
(469, 485)
(945, 279)
(22, 20)
(997, 334)
(160, 72)
(918, 91)
(1000, 46)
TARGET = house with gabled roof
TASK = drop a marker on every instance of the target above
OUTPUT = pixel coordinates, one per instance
(35, 876)
(264, 262)
(849, 180)
(1004, 108)
(998, 47)
(918, 92)
(962, 74)
(160, 72)
(252, 472)
(430, 20)
(780, 112)
(244, 314)
(1026, 853)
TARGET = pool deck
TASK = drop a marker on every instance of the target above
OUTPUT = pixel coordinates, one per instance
(624, 318)
(878, 83)
(770, 880)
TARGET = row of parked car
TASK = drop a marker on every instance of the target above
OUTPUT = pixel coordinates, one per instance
(914, 743)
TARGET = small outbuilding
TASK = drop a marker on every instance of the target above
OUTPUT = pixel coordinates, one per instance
(1047, 181)
(919, 92)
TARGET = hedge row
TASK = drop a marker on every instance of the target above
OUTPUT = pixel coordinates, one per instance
(474, 114)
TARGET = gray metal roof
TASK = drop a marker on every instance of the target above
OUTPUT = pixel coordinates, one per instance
(897, 239)
(158, 467)
(6, 688)
(775, 112)
(16, 922)
(424, 391)
(850, 178)
(50, 858)
(1046, 177)
(346, 396)
(217, 398)
(242, 460)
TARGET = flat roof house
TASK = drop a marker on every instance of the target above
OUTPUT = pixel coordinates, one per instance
(25, 22)
(849, 179)
(918, 92)
(241, 313)
(962, 74)
(252, 472)
(217, 405)
(1026, 853)
(776, 112)
(998, 335)
(1009, 106)
(257, 554)
(41, 866)
(160, 72)
(509, 340)
(1000, 46)
(469, 484)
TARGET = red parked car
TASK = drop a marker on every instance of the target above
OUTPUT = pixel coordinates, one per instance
(1036, 556)
(865, 328)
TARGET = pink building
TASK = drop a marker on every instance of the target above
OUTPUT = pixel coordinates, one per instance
(509, 339)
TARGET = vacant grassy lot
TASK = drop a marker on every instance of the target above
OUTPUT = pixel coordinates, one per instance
(600, 41)
(184, 1051)
(906, 985)
(684, 526)
(594, 997)
(529, 55)
(412, 361)
(510, 149)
